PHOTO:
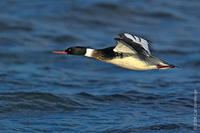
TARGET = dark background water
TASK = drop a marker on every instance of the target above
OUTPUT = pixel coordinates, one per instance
(45, 92)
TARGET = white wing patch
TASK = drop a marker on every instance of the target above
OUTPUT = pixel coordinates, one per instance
(144, 43)
(122, 48)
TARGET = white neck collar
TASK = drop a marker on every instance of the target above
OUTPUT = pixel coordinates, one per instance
(89, 52)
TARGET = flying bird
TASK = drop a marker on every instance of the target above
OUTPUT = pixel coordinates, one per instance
(131, 52)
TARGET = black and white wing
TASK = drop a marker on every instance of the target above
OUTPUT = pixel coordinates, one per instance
(128, 43)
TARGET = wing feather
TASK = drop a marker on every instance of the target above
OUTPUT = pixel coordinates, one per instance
(122, 47)
(136, 40)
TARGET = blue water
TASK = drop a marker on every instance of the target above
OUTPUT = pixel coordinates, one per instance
(45, 92)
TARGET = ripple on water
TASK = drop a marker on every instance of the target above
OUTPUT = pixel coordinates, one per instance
(154, 128)
(38, 101)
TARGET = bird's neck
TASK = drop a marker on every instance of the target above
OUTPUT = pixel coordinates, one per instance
(89, 52)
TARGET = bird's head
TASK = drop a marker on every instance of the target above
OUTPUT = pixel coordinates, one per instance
(77, 50)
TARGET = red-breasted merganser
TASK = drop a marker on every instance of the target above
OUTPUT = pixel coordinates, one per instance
(131, 52)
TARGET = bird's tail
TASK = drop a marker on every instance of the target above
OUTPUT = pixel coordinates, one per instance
(165, 66)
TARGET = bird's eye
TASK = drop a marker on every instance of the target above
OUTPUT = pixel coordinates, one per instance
(70, 49)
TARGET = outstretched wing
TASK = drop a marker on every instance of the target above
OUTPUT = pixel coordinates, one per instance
(132, 44)
(136, 40)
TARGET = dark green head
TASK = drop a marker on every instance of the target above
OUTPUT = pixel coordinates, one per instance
(77, 50)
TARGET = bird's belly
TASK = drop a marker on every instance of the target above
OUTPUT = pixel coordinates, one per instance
(131, 63)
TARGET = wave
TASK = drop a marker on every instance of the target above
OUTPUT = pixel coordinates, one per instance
(156, 127)
(117, 9)
(145, 99)
(61, 39)
(14, 102)
(17, 26)
(18, 101)
(103, 98)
